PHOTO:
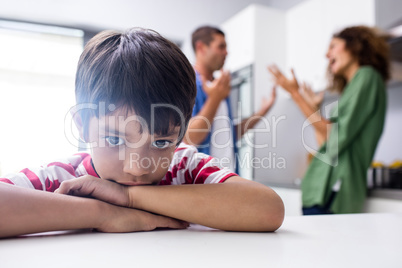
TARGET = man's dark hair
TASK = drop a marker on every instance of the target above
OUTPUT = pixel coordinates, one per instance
(135, 70)
(204, 34)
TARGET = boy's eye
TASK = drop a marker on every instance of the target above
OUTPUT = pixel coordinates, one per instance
(161, 144)
(115, 141)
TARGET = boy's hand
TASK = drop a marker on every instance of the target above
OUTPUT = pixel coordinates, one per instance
(117, 219)
(89, 186)
(121, 220)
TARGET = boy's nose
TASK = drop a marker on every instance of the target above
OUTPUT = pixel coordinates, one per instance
(137, 165)
(135, 170)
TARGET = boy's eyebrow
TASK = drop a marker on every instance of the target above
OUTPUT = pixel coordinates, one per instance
(172, 132)
(114, 131)
(110, 129)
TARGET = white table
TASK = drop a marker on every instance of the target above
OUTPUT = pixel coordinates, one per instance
(361, 240)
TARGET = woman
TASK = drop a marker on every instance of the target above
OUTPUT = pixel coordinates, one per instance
(358, 64)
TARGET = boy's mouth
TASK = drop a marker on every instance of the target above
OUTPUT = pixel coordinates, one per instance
(133, 183)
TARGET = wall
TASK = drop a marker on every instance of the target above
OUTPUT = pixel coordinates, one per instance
(310, 26)
(257, 35)
(388, 12)
(175, 19)
(285, 158)
(304, 47)
(313, 34)
(263, 36)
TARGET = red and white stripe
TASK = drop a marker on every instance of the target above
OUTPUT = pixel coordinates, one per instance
(188, 166)
(49, 177)
(191, 167)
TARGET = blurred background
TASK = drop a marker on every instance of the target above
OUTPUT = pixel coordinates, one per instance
(40, 42)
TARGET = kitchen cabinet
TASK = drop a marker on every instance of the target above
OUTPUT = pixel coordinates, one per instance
(257, 36)
(310, 26)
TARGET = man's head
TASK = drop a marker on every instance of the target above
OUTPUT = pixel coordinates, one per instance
(135, 92)
(136, 71)
(210, 47)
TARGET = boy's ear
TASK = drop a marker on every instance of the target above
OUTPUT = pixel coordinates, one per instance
(78, 122)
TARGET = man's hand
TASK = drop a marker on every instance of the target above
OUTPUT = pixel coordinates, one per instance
(290, 85)
(89, 186)
(219, 88)
(266, 104)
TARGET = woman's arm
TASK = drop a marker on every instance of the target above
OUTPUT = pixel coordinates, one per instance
(24, 211)
(292, 86)
(321, 125)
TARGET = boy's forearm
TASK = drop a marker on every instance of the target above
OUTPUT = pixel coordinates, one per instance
(231, 206)
(25, 211)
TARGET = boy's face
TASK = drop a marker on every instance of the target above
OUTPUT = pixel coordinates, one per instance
(124, 154)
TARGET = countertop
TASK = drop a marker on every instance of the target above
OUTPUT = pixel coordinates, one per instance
(359, 240)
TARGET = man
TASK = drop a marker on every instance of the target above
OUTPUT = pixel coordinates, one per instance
(211, 129)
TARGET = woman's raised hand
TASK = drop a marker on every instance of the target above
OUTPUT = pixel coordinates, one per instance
(290, 85)
(312, 98)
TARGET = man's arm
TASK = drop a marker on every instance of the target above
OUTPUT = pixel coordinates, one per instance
(24, 211)
(251, 121)
(200, 125)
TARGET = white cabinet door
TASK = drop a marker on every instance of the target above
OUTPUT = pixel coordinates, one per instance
(310, 26)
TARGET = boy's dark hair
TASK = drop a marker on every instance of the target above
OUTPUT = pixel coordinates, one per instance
(205, 35)
(135, 70)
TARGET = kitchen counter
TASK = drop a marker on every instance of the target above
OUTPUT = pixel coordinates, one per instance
(359, 240)
(395, 194)
(387, 193)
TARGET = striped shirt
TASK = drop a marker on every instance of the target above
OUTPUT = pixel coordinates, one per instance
(188, 166)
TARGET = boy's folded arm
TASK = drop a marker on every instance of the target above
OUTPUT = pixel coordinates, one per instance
(30, 211)
(236, 205)
(26, 211)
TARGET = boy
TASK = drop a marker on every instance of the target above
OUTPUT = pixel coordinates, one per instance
(135, 93)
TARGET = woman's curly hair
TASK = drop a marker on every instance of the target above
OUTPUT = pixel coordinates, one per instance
(369, 46)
